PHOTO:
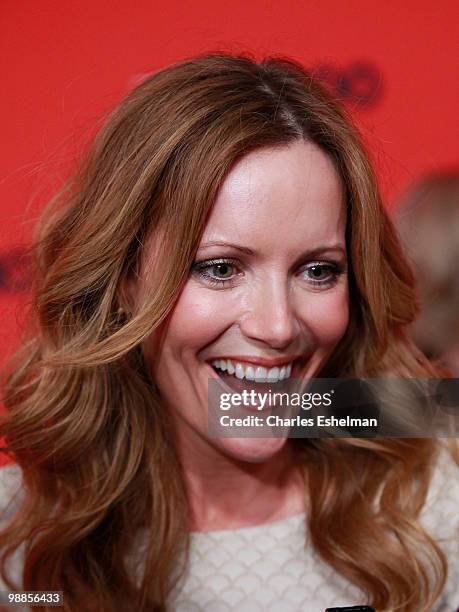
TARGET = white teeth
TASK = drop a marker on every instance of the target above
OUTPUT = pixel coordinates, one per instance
(239, 370)
(273, 375)
(251, 372)
(261, 374)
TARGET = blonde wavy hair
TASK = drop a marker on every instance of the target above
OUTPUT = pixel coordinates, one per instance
(83, 419)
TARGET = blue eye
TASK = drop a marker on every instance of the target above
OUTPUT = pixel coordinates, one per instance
(219, 272)
(321, 274)
(222, 273)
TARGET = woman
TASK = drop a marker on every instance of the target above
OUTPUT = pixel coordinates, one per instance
(226, 219)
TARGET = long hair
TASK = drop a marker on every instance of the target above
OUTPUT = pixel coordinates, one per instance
(83, 419)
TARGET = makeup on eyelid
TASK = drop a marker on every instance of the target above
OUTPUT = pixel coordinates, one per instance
(200, 269)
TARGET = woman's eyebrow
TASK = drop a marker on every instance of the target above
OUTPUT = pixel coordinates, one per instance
(222, 243)
(326, 248)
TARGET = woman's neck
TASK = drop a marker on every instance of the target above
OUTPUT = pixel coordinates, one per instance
(225, 493)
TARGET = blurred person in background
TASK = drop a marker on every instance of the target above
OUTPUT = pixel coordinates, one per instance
(427, 218)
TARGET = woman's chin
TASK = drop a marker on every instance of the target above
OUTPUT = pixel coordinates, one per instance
(251, 450)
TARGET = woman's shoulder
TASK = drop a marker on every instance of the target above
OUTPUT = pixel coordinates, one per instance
(10, 490)
(440, 517)
(11, 493)
(440, 512)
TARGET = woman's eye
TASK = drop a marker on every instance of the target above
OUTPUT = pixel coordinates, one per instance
(222, 270)
(223, 273)
(322, 274)
(216, 272)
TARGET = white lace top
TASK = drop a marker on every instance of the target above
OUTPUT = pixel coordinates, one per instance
(264, 568)
(272, 567)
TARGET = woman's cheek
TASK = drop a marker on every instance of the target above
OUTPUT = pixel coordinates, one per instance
(327, 315)
(200, 315)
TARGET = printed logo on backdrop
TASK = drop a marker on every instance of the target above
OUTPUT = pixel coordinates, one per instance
(14, 270)
(360, 83)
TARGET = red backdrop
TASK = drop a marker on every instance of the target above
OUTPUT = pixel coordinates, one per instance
(66, 63)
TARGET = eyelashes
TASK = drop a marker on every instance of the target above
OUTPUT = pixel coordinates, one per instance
(222, 273)
(323, 274)
(208, 271)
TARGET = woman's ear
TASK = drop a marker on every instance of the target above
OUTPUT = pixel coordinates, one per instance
(129, 291)
(141, 272)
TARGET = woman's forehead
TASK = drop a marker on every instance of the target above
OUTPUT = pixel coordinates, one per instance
(280, 196)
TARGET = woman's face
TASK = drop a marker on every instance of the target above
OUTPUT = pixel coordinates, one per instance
(268, 289)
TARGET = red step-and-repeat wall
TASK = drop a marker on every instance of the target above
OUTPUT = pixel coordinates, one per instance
(65, 64)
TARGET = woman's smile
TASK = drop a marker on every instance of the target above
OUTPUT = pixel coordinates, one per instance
(257, 369)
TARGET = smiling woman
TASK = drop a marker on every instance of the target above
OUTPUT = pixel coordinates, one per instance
(226, 229)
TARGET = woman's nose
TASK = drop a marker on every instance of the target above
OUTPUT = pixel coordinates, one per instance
(270, 315)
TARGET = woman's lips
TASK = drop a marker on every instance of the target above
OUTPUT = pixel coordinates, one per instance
(229, 384)
(266, 362)
(233, 384)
